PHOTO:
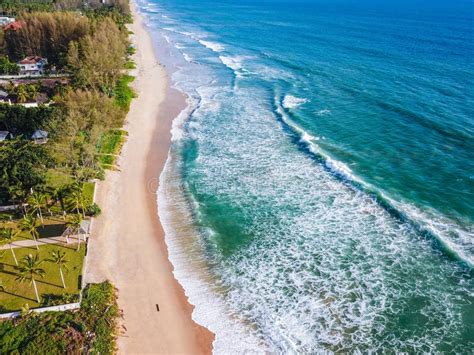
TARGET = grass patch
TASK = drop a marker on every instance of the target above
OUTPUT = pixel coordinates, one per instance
(109, 146)
(130, 65)
(92, 329)
(16, 294)
(53, 226)
(56, 178)
(88, 192)
(123, 92)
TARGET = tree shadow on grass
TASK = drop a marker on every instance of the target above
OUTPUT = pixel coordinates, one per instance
(49, 283)
(19, 296)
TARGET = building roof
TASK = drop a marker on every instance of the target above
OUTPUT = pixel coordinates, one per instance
(4, 135)
(31, 60)
(39, 134)
(14, 25)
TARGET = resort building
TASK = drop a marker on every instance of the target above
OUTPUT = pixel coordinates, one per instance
(32, 65)
(40, 137)
(4, 135)
(4, 20)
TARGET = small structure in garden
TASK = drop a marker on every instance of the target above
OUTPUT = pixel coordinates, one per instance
(4, 97)
(40, 137)
(4, 135)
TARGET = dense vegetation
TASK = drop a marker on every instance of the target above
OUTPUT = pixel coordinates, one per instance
(92, 329)
(92, 48)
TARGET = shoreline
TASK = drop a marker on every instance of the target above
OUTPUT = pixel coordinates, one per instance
(128, 245)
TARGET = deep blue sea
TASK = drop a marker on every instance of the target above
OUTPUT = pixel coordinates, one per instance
(319, 193)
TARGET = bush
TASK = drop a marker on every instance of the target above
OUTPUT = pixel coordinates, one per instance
(93, 210)
(90, 330)
(7, 67)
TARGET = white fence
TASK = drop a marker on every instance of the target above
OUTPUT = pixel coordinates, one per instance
(62, 307)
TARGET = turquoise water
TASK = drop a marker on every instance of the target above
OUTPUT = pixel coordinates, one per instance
(327, 165)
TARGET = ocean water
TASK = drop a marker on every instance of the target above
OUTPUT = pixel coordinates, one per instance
(318, 195)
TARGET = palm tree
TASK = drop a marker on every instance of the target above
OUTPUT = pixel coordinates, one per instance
(8, 234)
(32, 91)
(57, 196)
(73, 225)
(29, 269)
(76, 201)
(37, 201)
(59, 258)
(21, 93)
(28, 224)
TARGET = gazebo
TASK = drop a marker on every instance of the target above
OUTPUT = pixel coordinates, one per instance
(40, 137)
(82, 232)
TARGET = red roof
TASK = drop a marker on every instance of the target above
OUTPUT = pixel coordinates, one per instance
(14, 25)
(31, 60)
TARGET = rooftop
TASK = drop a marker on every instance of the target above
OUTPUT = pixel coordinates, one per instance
(31, 60)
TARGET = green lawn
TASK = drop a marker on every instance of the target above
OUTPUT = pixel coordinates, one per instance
(16, 294)
(88, 192)
(56, 178)
(53, 227)
(123, 92)
(109, 146)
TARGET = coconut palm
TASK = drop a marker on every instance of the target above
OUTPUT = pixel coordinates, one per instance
(59, 258)
(21, 93)
(29, 269)
(73, 224)
(76, 201)
(57, 196)
(37, 201)
(29, 224)
(8, 234)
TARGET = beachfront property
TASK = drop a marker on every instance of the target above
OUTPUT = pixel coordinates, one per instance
(32, 65)
(40, 137)
(5, 20)
(13, 26)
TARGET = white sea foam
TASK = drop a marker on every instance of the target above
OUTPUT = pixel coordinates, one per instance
(234, 63)
(323, 269)
(190, 267)
(323, 112)
(291, 102)
(213, 46)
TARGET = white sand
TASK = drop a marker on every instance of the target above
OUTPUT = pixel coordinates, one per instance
(127, 244)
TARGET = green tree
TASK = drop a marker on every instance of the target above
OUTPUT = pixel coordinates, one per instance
(29, 269)
(75, 200)
(29, 224)
(37, 201)
(21, 93)
(23, 167)
(73, 223)
(8, 234)
(59, 258)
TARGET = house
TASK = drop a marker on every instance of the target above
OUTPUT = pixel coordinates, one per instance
(4, 97)
(4, 135)
(40, 137)
(32, 65)
(4, 20)
(13, 26)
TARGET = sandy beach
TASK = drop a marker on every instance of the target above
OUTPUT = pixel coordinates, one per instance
(127, 245)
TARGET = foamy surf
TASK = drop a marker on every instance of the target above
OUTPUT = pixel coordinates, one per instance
(190, 268)
(291, 102)
(213, 46)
